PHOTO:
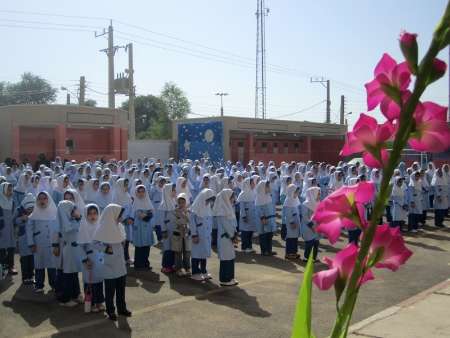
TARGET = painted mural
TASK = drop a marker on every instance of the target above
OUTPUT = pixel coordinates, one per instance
(202, 139)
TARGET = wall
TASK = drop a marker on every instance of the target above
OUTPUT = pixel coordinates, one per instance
(90, 143)
(326, 150)
(34, 141)
(159, 149)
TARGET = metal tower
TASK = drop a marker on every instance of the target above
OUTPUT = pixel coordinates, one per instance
(260, 89)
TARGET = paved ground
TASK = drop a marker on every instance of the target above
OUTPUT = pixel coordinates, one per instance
(261, 306)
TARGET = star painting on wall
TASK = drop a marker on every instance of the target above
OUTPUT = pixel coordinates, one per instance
(200, 139)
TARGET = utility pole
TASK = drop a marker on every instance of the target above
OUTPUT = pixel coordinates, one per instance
(82, 96)
(68, 98)
(260, 86)
(221, 101)
(110, 51)
(131, 93)
(341, 121)
(326, 84)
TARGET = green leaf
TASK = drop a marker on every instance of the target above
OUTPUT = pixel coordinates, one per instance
(302, 320)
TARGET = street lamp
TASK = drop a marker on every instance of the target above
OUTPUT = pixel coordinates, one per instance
(221, 101)
(347, 114)
(68, 94)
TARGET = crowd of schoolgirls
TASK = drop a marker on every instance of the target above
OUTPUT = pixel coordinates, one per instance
(73, 218)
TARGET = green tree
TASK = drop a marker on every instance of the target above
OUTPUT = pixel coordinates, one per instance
(90, 103)
(177, 103)
(151, 116)
(31, 89)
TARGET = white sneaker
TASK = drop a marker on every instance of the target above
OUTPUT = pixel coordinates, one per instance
(414, 231)
(70, 303)
(40, 290)
(249, 251)
(197, 277)
(80, 299)
(232, 282)
(207, 276)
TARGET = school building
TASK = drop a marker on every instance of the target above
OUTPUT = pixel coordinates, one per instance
(242, 139)
(70, 131)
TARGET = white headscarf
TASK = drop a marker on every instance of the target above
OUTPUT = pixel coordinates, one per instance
(109, 230)
(222, 205)
(167, 202)
(5, 202)
(23, 183)
(185, 190)
(121, 196)
(437, 180)
(262, 197)
(78, 199)
(87, 229)
(311, 198)
(28, 201)
(396, 190)
(91, 193)
(46, 214)
(291, 201)
(416, 184)
(199, 206)
(142, 203)
(247, 194)
(101, 199)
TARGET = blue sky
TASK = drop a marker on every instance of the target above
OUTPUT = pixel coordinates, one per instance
(339, 40)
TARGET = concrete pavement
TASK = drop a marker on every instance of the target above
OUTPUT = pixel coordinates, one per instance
(261, 306)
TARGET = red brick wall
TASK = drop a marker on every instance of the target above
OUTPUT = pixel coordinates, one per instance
(326, 150)
(34, 141)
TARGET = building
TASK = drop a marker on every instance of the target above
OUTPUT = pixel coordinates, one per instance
(69, 131)
(242, 139)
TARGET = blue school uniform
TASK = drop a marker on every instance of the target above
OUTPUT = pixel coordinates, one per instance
(226, 231)
(310, 237)
(114, 265)
(399, 211)
(41, 233)
(200, 227)
(265, 231)
(24, 249)
(142, 231)
(92, 252)
(292, 221)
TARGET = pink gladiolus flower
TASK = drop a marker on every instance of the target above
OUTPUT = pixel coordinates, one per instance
(408, 39)
(340, 267)
(391, 80)
(388, 243)
(344, 208)
(432, 133)
(369, 137)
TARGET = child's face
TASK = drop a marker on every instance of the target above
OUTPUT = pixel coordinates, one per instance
(140, 193)
(125, 185)
(174, 192)
(162, 183)
(96, 185)
(181, 203)
(252, 184)
(399, 183)
(66, 181)
(92, 215)
(42, 201)
(9, 191)
(69, 197)
(105, 189)
(267, 188)
(296, 193)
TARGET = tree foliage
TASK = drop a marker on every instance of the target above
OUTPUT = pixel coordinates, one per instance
(90, 103)
(31, 89)
(176, 101)
(151, 116)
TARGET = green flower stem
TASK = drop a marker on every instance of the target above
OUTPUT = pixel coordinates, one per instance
(406, 127)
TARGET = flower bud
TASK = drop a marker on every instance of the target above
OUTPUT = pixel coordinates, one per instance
(408, 45)
(437, 70)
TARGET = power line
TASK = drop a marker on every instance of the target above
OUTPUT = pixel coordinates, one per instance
(302, 110)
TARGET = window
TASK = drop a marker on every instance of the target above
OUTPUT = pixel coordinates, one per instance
(286, 148)
(296, 147)
(275, 148)
(70, 145)
(240, 144)
(264, 147)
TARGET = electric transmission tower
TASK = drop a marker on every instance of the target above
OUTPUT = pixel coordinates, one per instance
(260, 89)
